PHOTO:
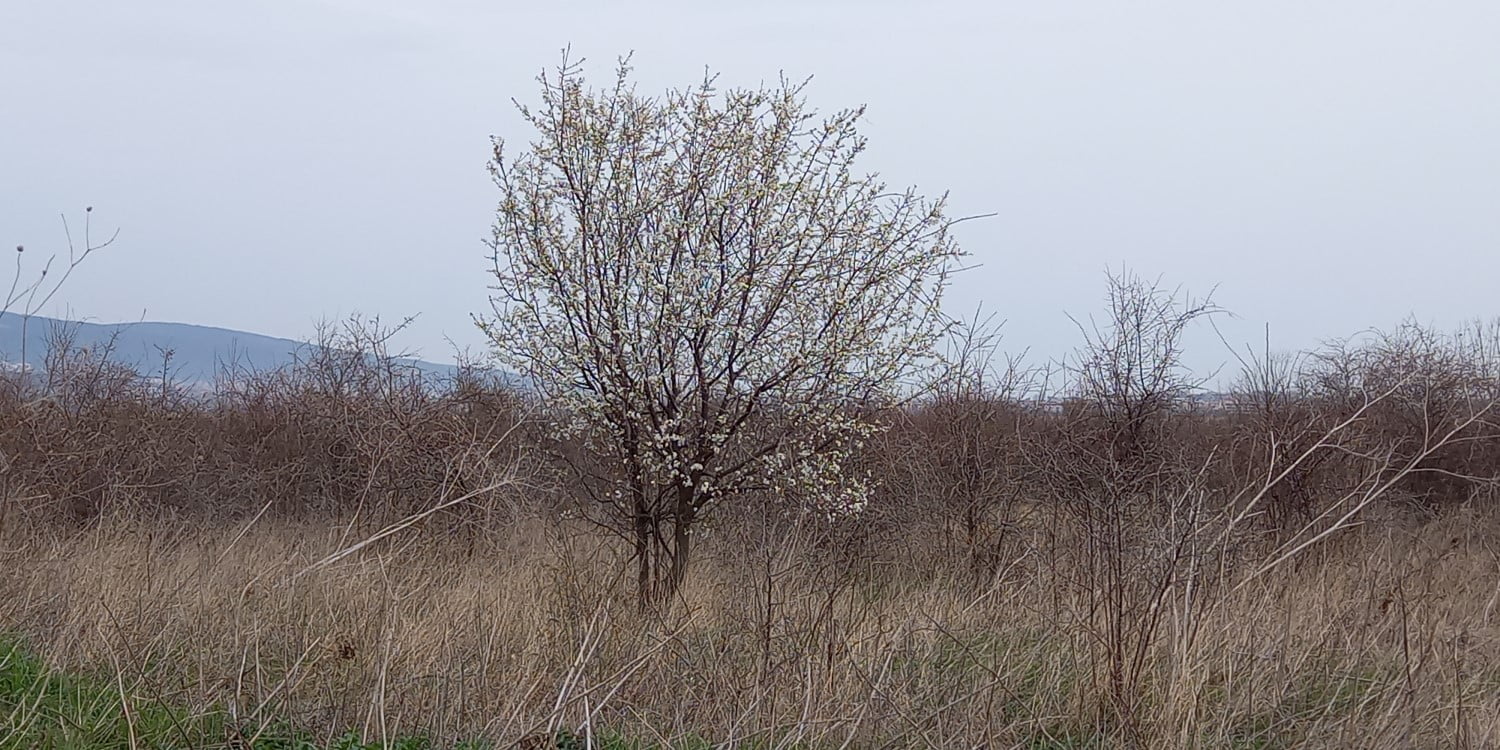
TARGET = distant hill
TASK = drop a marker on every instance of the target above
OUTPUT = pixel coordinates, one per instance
(197, 351)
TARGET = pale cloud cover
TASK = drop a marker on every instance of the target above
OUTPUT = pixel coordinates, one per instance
(1329, 166)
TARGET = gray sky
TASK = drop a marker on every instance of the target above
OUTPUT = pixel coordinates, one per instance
(1329, 165)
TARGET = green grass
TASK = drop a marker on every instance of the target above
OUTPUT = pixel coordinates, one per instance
(43, 709)
(40, 708)
(1313, 697)
(610, 741)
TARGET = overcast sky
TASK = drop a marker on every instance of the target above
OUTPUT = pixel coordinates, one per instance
(1329, 166)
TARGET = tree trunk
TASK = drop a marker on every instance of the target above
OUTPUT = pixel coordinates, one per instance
(661, 561)
(682, 538)
(641, 528)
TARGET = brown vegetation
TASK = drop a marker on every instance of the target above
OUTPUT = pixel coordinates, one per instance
(342, 543)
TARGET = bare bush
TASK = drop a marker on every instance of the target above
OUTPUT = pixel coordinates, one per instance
(951, 468)
(1134, 567)
(1135, 491)
(1432, 384)
(348, 431)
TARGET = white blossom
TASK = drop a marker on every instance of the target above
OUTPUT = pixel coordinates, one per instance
(708, 291)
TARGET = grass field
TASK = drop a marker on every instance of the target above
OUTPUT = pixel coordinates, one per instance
(146, 637)
(340, 555)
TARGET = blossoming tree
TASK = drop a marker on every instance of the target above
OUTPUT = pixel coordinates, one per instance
(709, 296)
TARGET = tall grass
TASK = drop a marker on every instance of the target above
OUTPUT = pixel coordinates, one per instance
(1388, 639)
(342, 551)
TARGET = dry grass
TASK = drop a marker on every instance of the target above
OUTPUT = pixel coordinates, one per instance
(344, 545)
(1383, 639)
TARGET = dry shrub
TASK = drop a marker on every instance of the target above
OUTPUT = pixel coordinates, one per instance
(349, 429)
(1389, 641)
(347, 542)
